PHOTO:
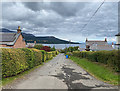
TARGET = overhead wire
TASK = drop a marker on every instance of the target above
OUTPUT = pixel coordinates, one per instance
(92, 15)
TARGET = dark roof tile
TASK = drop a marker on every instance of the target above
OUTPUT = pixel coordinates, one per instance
(7, 37)
(118, 34)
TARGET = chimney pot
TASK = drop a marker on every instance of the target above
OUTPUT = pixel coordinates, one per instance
(105, 39)
(86, 39)
(112, 43)
(18, 30)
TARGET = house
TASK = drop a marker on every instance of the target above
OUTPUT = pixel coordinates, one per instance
(12, 40)
(30, 45)
(96, 45)
(117, 45)
(81, 49)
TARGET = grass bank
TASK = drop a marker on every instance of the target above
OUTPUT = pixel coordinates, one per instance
(97, 70)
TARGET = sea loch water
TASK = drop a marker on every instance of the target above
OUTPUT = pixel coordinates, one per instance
(62, 46)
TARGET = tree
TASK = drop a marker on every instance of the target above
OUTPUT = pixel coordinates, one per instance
(46, 48)
(38, 46)
(53, 48)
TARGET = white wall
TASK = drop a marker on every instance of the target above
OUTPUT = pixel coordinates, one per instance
(118, 40)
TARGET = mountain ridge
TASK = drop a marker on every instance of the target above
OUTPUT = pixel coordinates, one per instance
(30, 38)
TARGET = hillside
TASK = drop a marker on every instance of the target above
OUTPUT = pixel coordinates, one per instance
(30, 38)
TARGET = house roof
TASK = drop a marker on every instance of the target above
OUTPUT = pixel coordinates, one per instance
(9, 38)
(101, 47)
(118, 34)
(96, 42)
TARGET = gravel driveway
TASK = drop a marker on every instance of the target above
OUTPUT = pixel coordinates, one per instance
(59, 73)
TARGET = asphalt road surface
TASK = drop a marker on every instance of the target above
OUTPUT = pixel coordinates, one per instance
(59, 73)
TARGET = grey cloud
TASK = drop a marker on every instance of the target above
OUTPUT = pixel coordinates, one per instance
(35, 6)
(67, 9)
(62, 8)
(63, 20)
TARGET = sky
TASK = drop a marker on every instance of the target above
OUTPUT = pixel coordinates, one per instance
(63, 20)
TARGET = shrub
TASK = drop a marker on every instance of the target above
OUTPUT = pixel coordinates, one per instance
(29, 57)
(49, 55)
(38, 57)
(53, 48)
(109, 58)
(15, 61)
(69, 49)
(46, 48)
(57, 52)
(53, 53)
(38, 46)
(43, 55)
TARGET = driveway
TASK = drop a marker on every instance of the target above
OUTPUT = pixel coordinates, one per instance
(59, 73)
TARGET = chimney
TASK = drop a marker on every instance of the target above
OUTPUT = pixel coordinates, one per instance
(86, 39)
(18, 30)
(112, 45)
(105, 39)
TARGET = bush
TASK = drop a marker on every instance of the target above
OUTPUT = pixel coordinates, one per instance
(57, 52)
(29, 57)
(38, 47)
(43, 55)
(15, 61)
(38, 57)
(46, 48)
(69, 49)
(109, 58)
(49, 55)
(54, 53)
(53, 48)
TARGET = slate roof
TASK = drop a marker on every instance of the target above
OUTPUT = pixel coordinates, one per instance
(99, 45)
(118, 34)
(96, 42)
(8, 38)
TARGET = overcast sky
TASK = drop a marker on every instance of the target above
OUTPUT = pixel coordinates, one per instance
(63, 19)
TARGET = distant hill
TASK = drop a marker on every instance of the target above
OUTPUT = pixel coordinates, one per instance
(30, 38)
(52, 40)
(5, 30)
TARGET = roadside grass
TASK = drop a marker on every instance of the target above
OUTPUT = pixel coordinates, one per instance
(8, 80)
(97, 70)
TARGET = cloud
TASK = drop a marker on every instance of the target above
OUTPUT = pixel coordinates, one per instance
(35, 6)
(62, 19)
(62, 8)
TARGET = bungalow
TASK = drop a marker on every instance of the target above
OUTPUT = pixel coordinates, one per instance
(96, 45)
(12, 40)
(30, 45)
(118, 41)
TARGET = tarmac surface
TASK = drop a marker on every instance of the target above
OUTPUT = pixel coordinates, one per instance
(59, 73)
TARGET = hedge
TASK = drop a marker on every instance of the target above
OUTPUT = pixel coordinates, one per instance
(15, 61)
(44, 54)
(110, 58)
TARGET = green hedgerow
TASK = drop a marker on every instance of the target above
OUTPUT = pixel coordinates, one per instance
(15, 61)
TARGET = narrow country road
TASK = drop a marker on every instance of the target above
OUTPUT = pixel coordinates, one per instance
(59, 73)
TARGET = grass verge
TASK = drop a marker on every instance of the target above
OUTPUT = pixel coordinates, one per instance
(98, 71)
(8, 80)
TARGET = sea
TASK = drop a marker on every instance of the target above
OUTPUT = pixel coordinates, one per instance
(62, 46)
